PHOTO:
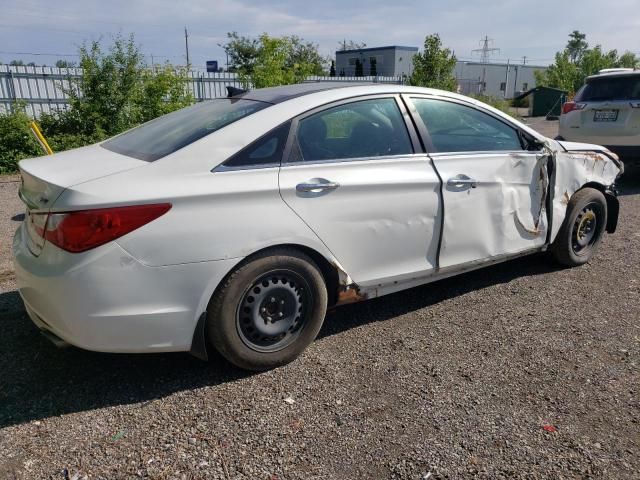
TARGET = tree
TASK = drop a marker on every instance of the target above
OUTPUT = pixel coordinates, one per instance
(434, 66)
(65, 64)
(575, 63)
(269, 61)
(306, 53)
(332, 70)
(576, 46)
(241, 51)
(31, 64)
(373, 68)
(358, 70)
(628, 60)
(246, 54)
(115, 92)
(350, 45)
(16, 63)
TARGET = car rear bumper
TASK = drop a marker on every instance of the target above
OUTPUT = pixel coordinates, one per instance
(105, 300)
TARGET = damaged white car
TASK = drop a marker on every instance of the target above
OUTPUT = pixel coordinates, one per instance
(235, 223)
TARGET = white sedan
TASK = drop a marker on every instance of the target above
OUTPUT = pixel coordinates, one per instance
(236, 222)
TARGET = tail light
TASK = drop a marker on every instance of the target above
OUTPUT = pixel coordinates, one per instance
(86, 229)
(571, 106)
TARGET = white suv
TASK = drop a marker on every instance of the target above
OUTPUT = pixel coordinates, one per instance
(606, 111)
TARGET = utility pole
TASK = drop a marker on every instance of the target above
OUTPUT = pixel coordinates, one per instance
(524, 60)
(186, 45)
(485, 51)
(506, 79)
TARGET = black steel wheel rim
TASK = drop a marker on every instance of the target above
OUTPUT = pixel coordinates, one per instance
(274, 310)
(585, 228)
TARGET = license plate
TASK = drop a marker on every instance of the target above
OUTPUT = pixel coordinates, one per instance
(605, 116)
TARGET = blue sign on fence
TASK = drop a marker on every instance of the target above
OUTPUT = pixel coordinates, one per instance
(212, 65)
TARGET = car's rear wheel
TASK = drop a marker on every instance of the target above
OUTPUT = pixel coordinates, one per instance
(582, 229)
(268, 310)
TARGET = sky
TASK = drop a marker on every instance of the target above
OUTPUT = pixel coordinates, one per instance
(54, 29)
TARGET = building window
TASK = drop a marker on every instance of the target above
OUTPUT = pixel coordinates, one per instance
(503, 86)
(352, 61)
(525, 86)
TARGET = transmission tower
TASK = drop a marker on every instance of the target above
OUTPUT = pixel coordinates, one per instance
(485, 51)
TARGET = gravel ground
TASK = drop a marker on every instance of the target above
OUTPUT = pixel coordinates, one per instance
(521, 370)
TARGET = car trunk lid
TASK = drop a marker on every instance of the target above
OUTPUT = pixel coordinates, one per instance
(45, 178)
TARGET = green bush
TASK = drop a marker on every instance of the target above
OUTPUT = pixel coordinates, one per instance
(16, 140)
(520, 103)
(118, 92)
(496, 102)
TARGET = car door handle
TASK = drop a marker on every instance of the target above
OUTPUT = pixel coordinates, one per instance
(462, 180)
(316, 186)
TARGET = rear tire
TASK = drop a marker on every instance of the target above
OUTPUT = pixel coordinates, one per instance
(268, 310)
(582, 229)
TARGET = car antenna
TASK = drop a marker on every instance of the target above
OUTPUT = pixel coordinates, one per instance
(235, 91)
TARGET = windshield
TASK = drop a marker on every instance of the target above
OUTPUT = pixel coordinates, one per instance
(171, 132)
(613, 88)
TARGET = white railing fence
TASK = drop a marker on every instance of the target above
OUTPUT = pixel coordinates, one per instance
(43, 89)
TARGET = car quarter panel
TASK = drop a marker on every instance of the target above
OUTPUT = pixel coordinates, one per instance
(214, 216)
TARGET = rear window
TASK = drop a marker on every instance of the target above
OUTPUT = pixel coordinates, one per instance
(171, 132)
(613, 88)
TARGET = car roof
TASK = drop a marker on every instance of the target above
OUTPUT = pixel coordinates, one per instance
(287, 92)
(614, 74)
(298, 98)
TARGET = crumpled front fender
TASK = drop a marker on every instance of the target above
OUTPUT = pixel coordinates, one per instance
(589, 166)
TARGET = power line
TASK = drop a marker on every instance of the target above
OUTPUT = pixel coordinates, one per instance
(41, 54)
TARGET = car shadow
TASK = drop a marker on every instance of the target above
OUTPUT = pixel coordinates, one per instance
(629, 182)
(38, 380)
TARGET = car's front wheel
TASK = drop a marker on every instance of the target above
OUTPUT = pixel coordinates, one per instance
(268, 310)
(582, 229)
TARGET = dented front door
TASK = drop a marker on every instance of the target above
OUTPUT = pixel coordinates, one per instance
(494, 204)
(493, 189)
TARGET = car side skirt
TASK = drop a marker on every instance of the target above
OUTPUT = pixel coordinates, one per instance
(355, 293)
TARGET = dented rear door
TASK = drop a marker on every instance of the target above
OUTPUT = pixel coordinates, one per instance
(353, 177)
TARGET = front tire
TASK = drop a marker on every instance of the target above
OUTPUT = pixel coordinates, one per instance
(582, 229)
(268, 310)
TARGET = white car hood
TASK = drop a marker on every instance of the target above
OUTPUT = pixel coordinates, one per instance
(581, 147)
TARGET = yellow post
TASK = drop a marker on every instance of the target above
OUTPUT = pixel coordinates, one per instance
(41, 140)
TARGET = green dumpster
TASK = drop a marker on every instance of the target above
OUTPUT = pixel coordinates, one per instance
(544, 101)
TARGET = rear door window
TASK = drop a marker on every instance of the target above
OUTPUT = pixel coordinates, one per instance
(362, 129)
(613, 88)
(176, 130)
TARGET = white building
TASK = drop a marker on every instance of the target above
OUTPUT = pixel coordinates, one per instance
(498, 79)
(391, 61)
